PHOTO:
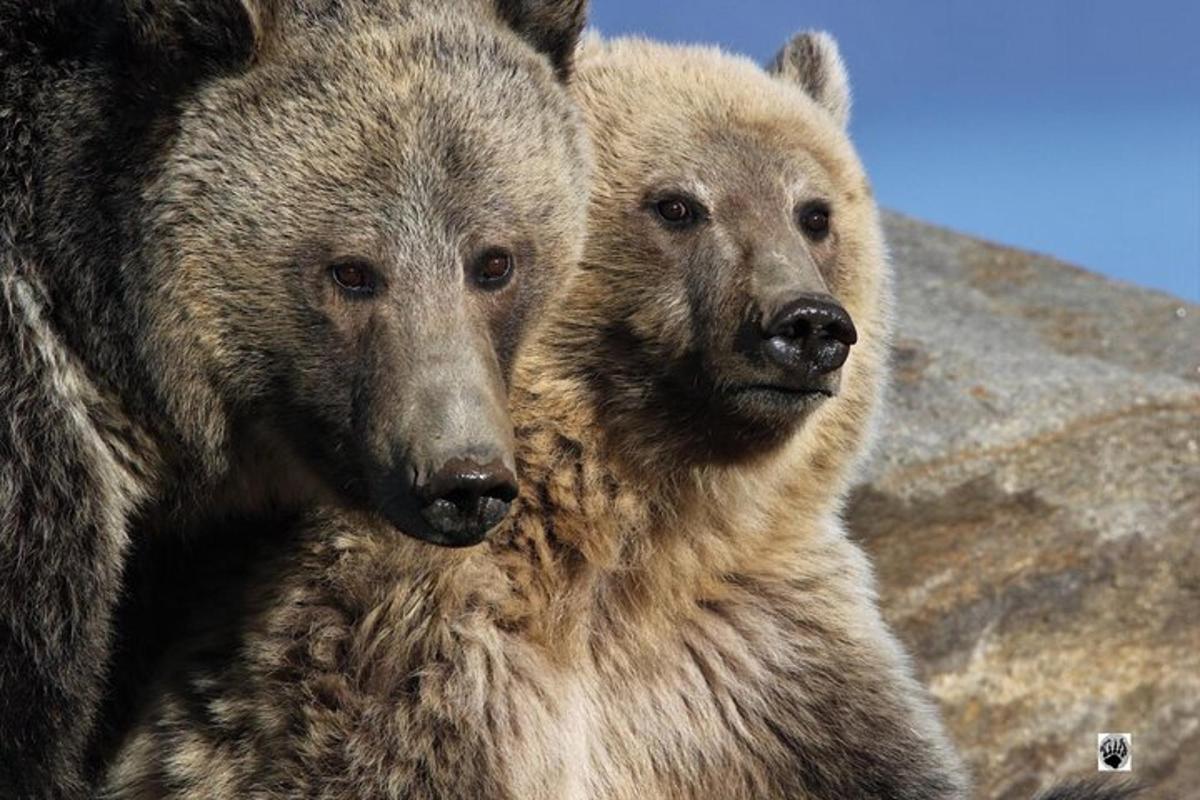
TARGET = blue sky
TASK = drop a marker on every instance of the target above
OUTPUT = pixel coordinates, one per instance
(1070, 127)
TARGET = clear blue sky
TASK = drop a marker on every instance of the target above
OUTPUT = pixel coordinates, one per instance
(1070, 127)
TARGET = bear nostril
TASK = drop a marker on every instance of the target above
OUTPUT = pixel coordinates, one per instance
(465, 497)
(460, 498)
(798, 329)
(841, 329)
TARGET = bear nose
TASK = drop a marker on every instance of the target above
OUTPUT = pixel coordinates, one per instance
(464, 500)
(810, 333)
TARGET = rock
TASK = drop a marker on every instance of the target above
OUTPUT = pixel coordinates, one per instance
(1033, 510)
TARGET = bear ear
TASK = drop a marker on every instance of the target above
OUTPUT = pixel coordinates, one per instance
(812, 61)
(195, 36)
(552, 27)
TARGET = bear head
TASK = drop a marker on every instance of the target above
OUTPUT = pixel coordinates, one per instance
(734, 284)
(348, 216)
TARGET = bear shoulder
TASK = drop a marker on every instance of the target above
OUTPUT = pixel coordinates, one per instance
(71, 472)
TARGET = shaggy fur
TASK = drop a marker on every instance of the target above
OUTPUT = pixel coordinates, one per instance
(175, 179)
(674, 610)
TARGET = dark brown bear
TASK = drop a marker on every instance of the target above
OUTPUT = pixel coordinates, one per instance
(254, 252)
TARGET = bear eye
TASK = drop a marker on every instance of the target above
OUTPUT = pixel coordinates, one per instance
(677, 211)
(494, 268)
(354, 276)
(814, 220)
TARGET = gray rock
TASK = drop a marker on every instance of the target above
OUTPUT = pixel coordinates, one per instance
(1033, 509)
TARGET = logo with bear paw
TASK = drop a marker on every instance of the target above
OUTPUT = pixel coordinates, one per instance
(1115, 752)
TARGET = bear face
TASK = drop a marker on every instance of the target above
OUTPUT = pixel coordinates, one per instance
(347, 212)
(734, 246)
(375, 271)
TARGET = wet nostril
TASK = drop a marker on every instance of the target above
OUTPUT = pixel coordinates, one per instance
(505, 492)
(465, 490)
(467, 495)
(799, 329)
(460, 498)
(840, 330)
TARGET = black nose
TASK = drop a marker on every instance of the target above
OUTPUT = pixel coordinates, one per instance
(811, 333)
(462, 500)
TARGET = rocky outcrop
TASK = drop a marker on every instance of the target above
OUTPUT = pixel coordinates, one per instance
(1033, 510)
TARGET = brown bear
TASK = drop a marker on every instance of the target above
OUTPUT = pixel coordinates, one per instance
(674, 610)
(255, 253)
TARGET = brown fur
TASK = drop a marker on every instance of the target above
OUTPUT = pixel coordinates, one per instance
(178, 180)
(673, 611)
